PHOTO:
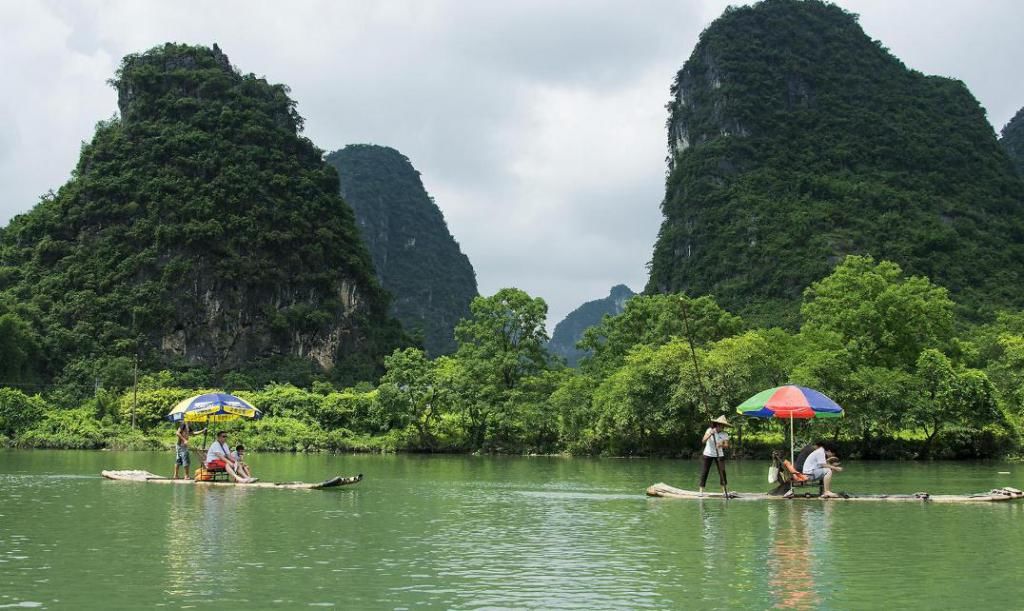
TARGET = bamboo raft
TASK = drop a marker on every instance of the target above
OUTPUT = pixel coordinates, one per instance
(993, 496)
(152, 478)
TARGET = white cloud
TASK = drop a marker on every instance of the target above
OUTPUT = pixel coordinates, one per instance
(53, 97)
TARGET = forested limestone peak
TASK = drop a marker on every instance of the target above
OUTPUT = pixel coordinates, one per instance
(794, 140)
(570, 330)
(1013, 140)
(415, 256)
(199, 230)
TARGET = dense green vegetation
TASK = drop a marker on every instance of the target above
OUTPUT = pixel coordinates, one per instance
(570, 330)
(416, 258)
(797, 140)
(199, 231)
(1013, 140)
(882, 344)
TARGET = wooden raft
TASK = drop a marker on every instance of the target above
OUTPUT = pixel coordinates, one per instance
(992, 496)
(152, 478)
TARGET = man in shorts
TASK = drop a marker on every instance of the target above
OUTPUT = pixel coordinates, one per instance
(181, 455)
(817, 467)
(219, 457)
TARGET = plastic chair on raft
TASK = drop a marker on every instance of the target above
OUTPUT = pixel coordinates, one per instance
(213, 473)
(789, 478)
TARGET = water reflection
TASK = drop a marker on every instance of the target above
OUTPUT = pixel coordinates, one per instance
(181, 550)
(532, 548)
(715, 552)
(799, 552)
(205, 528)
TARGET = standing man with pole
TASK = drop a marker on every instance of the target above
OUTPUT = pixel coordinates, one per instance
(181, 449)
(715, 441)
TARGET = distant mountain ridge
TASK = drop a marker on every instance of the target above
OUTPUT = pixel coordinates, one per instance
(414, 254)
(570, 330)
(795, 140)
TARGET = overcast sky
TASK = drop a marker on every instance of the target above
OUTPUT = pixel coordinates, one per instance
(538, 126)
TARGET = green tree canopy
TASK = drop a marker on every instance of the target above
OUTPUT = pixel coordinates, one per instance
(881, 317)
(653, 320)
(500, 345)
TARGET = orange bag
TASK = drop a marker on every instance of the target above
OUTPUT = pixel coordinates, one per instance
(202, 475)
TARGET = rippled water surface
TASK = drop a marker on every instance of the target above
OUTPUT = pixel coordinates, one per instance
(473, 532)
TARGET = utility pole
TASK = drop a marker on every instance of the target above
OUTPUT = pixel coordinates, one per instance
(135, 375)
(135, 389)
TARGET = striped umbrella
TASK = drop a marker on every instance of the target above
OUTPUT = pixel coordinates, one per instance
(790, 402)
(213, 407)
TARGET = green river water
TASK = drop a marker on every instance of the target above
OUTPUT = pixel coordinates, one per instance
(491, 532)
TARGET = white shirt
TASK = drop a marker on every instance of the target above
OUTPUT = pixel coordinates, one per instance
(814, 461)
(218, 451)
(709, 445)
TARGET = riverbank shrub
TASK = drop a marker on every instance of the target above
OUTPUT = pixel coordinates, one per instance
(151, 406)
(19, 411)
(346, 409)
(281, 434)
(73, 429)
(124, 437)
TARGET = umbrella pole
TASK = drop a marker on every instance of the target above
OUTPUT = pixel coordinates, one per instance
(792, 460)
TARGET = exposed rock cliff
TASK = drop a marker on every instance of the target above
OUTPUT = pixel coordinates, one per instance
(794, 139)
(199, 229)
(1013, 140)
(570, 330)
(417, 260)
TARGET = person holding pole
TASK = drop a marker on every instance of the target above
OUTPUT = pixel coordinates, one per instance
(715, 441)
(181, 449)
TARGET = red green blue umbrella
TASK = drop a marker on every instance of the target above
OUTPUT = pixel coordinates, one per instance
(790, 402)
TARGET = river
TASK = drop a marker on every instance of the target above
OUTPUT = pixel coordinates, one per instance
(495, 532)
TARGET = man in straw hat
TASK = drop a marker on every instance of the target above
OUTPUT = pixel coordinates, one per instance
(715, 441)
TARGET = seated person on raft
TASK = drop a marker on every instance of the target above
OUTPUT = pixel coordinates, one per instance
(218, 458)
(241, 467)
(820, 466)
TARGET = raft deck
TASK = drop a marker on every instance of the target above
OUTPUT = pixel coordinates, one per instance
(152, 478)
(992, 496)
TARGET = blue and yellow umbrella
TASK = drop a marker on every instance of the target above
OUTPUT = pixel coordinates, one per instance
(213, 407)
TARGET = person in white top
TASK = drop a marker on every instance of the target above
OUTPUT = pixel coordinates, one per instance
(219, 457)
(818, 468)
(715, 441)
